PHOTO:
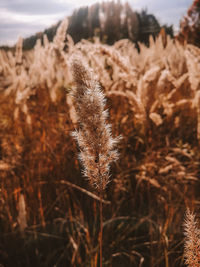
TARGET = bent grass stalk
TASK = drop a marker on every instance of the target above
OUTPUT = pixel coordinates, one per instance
(97, 147)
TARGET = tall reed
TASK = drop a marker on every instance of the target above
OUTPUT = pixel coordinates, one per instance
(192, 240)
(97, 147)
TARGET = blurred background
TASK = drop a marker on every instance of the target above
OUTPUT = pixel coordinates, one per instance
(25, 18)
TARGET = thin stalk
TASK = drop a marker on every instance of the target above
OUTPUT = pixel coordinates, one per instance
(166, 257)
(101, 227)
(97, 147)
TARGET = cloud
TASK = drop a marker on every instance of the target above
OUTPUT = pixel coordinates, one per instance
(39, 7)
(13, 24)
(161, 4)
(24, 18)
(167, 12)
(10, 17)
(9, 34)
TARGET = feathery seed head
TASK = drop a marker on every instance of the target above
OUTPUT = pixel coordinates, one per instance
(61, 34)
(94, 136)
(192, 240)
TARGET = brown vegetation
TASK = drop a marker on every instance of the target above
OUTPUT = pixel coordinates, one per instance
(190, 25)
(48, 212)
(192, 240)
(94, 135)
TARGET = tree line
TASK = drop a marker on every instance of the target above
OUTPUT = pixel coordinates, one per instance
(110, 21)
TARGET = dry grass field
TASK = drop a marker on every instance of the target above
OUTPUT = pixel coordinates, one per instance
(49, 213)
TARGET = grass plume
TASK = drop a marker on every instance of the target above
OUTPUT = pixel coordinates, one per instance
(97, 147)
(192, 240)
(94, 134)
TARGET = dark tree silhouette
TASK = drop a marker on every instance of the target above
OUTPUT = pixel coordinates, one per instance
(78, 24)
(114, 21)
(130, 26)
(148, 25)
(93, 19)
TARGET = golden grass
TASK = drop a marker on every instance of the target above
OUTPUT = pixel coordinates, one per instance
(192, 240)
(153, 101)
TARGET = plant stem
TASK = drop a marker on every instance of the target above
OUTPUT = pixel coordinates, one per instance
(101, 227)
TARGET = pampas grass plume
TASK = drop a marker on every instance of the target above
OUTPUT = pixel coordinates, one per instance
(97, 147)
(192, 240)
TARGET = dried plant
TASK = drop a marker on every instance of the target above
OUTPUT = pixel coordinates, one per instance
(22, 214)
(61, 34)
(192, 240)
(94, 134)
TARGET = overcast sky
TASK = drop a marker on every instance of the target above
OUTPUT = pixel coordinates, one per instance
(26, 17)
